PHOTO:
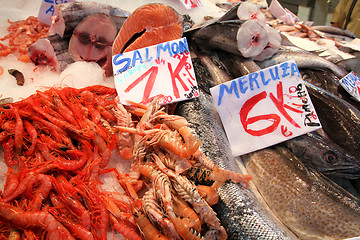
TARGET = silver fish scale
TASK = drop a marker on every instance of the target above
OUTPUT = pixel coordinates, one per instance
(239, 211)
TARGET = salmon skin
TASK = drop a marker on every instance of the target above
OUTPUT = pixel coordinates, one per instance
(239, 211)
(148, 25)
(311, 205)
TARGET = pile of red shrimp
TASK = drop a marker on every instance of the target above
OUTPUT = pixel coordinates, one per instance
(22, 34)
(57, 145)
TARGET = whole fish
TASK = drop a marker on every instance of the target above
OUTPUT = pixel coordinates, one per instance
(339, 119)
(327, 80)
(203, 77)
(303, 60)
(334, 30)
(219, 35)
(351, 64)
(240, 213)
(237, 65)
(307, 202)
(322, 155)
(217, 74)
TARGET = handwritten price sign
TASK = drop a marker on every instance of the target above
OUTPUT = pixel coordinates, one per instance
(265, 108)
(164, 71)
(351, 83)
(191, 3)
(47, 9)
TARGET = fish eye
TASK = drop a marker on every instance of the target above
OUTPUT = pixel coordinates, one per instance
(330, 157)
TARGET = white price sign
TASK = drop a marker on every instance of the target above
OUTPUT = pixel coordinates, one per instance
(189, 4)
(351, 83)
(47, 9)
(162, 71)
(265, 108)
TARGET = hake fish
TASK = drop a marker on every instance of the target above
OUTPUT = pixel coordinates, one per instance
(322, 155)
(339, 119)
(303, 60)
(307, 202)
(239, 211)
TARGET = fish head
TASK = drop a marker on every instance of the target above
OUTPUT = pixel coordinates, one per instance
(324, 156)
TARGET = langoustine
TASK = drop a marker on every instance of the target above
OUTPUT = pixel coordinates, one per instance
(163, 167)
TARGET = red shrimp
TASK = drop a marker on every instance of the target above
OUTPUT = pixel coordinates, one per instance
(103, 149)
(11, 183)
(30, 129)
(4, 135)
(9, 152)
(62, 163)
(94, 114)
(42, 192)
(19, 129)
(77, 209)
(55, 131)
(106, 113)
(27, 181)
(9, 126)
(64, 110)
(55, 230)
(100, 90)
(126, 231)
(114, 210)
(98, 209)
(61, 123)
(75, 229)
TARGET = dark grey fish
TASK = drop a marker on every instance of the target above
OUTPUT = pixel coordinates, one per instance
(324, 79)
(351, 64)
(218, 75)
(70, 14)
(231, 14)
(203, 77)
(339, 119)
(237, 65)
(324, 156)
(303, 60)
(311, 205)
(239, 211)
(328, 81)
(61, 47)
(219, 35)
(226, 5)
(334, 30)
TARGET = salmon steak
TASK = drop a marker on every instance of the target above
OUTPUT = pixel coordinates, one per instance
(148, 25)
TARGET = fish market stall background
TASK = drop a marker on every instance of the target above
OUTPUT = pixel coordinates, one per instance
(319, 11)
(244, 213)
